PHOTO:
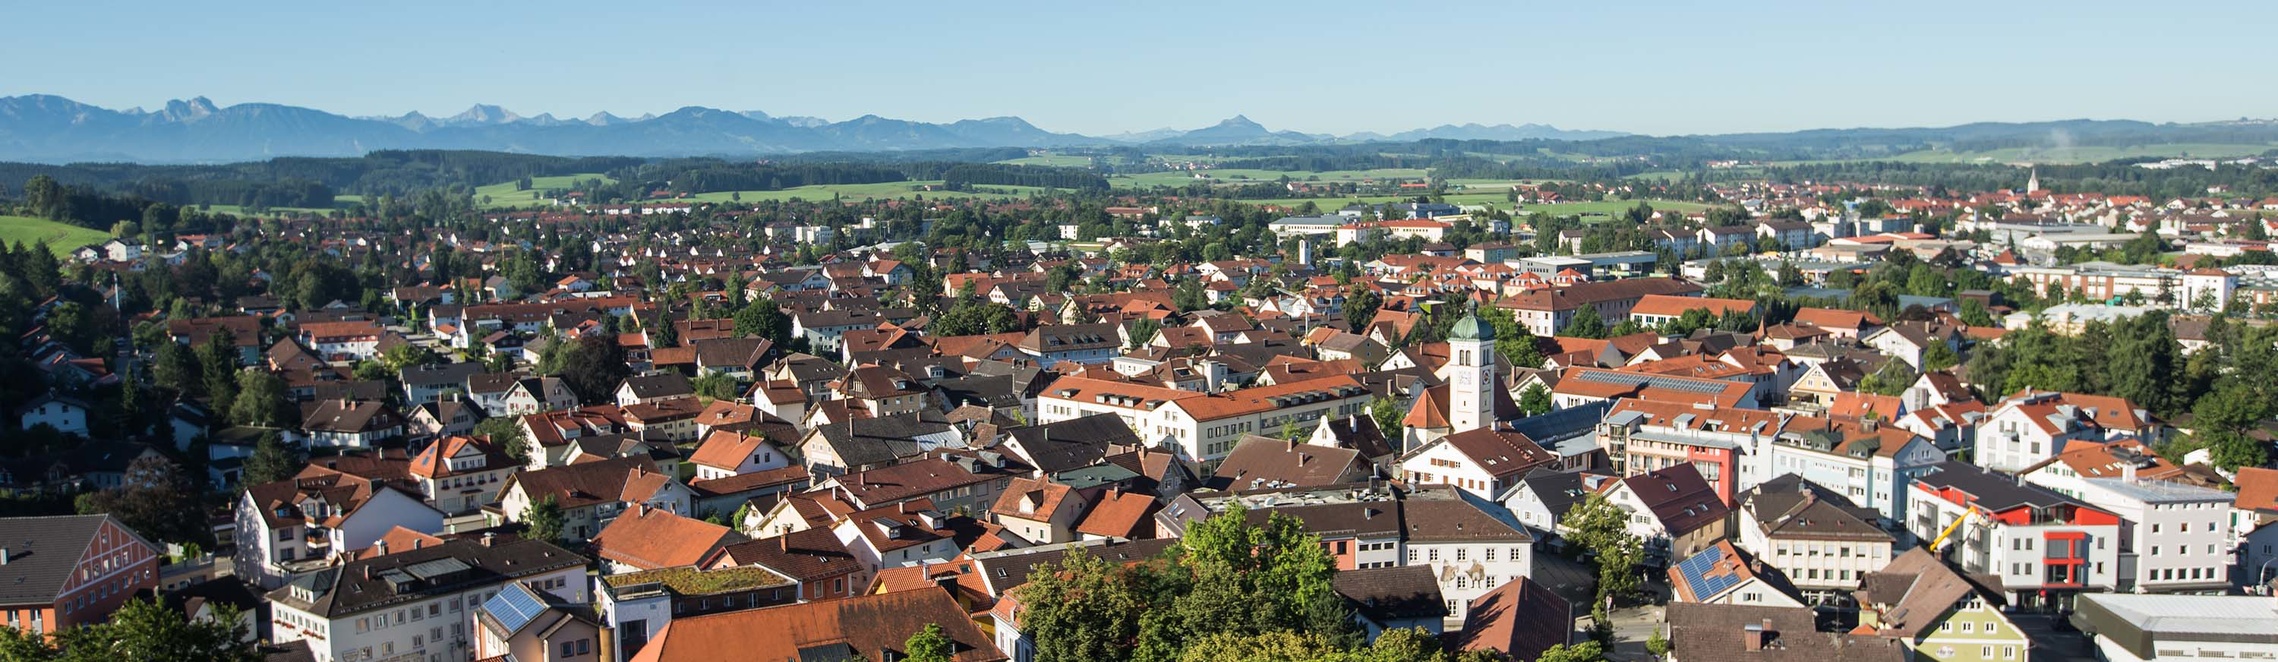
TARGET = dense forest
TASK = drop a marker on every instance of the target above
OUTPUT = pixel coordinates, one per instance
(310, 182)
(965, 175)
(2122, 177)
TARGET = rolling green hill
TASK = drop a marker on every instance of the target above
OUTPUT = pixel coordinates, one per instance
(61, 238)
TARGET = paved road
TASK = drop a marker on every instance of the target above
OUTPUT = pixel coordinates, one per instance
(2052, 643)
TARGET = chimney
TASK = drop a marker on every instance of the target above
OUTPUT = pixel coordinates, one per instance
(2128, 471)
(783, 542)
(367, 572)
(489, 539)
(380, 546)
(3, 556)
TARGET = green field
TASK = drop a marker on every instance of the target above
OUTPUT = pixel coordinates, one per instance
(2070, 155)
(1054, 160)
(272, 212)
(61, 238)
(880, 191)
(1495, 200)
(503, 195)
(1177, 178)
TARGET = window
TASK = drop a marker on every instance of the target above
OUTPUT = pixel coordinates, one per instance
(1993, 627)
(2008, 652)
(569, 648)
(1985, 652)
(1966, 626)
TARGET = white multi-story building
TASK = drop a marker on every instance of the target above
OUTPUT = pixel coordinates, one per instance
(2173, 537)
(2029, 427)
(415, 604)
(1204, 427)
(2044, 546)
(1471, 544)
(2143, 628)
(1819, 539)
(294, 526)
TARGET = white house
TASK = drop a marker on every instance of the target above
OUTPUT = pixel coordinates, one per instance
(415, 604)
(67, 415)
(291, 527)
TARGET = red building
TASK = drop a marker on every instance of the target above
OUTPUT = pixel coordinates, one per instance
(58, 572)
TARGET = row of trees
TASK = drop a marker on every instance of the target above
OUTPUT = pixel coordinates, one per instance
(1236, 588)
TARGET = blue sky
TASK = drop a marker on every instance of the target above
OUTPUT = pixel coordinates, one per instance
(1650, 66)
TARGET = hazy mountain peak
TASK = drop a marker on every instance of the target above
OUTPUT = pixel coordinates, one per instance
(197, 108)
(484, 114)
(1242, 121)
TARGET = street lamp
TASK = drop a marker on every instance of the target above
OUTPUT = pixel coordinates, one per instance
(2262, 576)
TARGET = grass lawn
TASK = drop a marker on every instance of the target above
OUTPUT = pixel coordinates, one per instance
(503, 195)
(1611, 207)
(2068, 155)
(61, 238)
(1250, 175)
(1496, 200)
(880, 191)
(1055, 160)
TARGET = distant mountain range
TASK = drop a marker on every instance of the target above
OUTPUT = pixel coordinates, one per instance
(53, 129)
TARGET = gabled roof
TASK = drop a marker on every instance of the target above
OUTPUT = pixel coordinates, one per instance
(652, 538)
(1500, 452)
(1679, 497)
(1708, 575)
(43, 552)
(873, 628)
(1071, 444)
(1389, 594)
(805, 555)
(727, 450)
(1917, 588)
(1721, 633)
(613, 480)
(1118, 514)
(1520, 618)
(1259, 461)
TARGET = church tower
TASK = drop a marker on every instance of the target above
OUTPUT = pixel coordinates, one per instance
(2033, 181)
(1471, 381)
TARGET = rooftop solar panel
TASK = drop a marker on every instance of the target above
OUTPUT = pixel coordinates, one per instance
(1695, 569)
(515, 606)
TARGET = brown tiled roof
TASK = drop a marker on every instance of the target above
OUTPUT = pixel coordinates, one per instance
(1521, 619)
(1501, 452)
(2257, 489)
(1916, 589)
(1040, 498)
(607, 481)
(1119, 514)
(1266, 461)
(1720, 633)
(1679, 497)
(863, 627)
(806, 555)
(651, 538)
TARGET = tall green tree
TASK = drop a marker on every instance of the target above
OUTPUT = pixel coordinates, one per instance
(544, 520)
(153, 500)
(272, 460)
(1080, 609)
(1585, 324)
(262, 401)
(1602, 527)
(142, 631)
(928, 645)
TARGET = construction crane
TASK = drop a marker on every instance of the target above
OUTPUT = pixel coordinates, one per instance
(1967, 512)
